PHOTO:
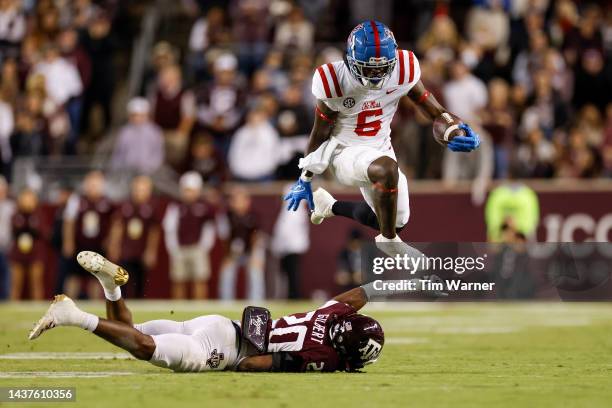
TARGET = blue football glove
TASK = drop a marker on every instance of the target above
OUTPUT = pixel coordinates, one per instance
(301, 190)
(467, 143)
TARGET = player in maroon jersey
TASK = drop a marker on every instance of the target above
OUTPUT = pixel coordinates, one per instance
(333, 337)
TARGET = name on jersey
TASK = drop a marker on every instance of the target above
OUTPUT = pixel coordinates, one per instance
(368, 105)
(318, 328)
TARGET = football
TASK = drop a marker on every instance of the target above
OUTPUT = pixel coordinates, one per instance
(446, 127)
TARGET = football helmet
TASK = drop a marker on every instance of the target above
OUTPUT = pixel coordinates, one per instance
(358, 339)
(371, 53)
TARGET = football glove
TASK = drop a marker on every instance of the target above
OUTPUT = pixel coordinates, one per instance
(301, 190)
(467, 143)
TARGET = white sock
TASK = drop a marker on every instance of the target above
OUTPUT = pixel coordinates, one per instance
(90, 321)
(80, 319)
(112, 294)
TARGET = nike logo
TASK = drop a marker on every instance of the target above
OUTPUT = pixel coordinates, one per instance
(391, 90)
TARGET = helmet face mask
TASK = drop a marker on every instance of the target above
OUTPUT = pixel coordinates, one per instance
(371, 74)
(371, 53)
(358, 339)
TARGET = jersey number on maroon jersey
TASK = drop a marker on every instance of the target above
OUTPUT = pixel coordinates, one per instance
(371, 128)
(290, 338)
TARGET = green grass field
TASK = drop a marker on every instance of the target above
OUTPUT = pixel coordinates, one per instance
(455, 355)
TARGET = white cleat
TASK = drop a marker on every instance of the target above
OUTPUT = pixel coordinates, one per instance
(61, 312)
(323, 203)
(107, 272)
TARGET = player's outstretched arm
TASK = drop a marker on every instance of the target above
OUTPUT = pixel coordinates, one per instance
(428, 104)
(356, 298)
(321, 130)
(256, 363)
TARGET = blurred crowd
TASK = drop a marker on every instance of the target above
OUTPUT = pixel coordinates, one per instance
(230, 101)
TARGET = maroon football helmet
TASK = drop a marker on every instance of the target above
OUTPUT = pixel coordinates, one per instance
(358, 339)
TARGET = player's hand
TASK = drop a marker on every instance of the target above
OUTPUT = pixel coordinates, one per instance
(467, 143)
(301, 190)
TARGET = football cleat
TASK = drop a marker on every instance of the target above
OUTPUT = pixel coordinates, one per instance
(107, 272)
(61, 312)
(323, 203)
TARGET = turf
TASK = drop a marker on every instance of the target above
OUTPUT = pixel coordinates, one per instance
(455, 355)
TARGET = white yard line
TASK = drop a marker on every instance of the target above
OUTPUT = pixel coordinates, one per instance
(62, 374)
(65, 356)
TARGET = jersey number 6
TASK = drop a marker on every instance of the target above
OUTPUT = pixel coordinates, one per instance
(371, 128)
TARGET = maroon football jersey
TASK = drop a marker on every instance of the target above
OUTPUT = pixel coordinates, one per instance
(192, 217)
(92, 223)
(138, 219)
(305, 337)
(27, 237)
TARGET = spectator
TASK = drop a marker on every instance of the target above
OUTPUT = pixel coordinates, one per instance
(530, 61)
(72, 51)
(251, 30)
(592, 83)
(7, 124)
(10, 82)
(27, 252)
(245, 248)
(12, 28)
(173, 108)
(64, 87)
(140, 144)
(440, 41)
(61, 197)
(295, 33)
(290, 241)
(220, 103)
(349, 268)
(7, 209)
(579, 159)
(257, 138)
(87, 221)
(100, 46)
(207, 33)
(546, 108)
(32, 134)
(207, 160)
(497, 120)
(189, 234)
(465, 95)
(536, 156)
(135, 234)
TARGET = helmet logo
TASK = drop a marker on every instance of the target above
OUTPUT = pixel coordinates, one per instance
(370, 351)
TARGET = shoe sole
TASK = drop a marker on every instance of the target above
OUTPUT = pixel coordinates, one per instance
(45, 323)
(102, 266)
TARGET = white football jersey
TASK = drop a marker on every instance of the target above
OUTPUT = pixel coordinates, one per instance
(364, 115)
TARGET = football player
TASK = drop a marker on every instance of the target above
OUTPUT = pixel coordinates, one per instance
(331, 338)
(356, 101)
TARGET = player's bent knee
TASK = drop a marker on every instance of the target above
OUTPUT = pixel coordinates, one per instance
(384, 170)
(145, 347)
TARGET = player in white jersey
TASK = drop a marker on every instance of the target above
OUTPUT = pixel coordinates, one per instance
(356, 101)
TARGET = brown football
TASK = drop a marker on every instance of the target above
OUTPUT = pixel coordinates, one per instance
(446, 127)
